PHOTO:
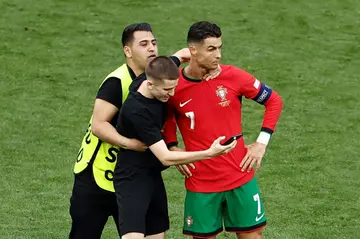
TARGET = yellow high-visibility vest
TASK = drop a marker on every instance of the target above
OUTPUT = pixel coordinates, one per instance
(100, 154)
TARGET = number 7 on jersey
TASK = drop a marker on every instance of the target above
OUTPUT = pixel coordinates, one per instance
(191, 115)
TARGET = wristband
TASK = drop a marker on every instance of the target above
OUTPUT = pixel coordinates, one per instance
(263, 138)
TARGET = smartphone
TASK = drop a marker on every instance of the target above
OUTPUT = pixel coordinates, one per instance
(231, 139)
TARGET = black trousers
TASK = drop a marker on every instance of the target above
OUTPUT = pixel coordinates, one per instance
(90, 207)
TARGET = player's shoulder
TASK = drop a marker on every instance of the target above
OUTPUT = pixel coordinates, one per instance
(231, 71)
(181, 69)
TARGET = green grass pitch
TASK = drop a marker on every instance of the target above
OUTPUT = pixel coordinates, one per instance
(54, 55)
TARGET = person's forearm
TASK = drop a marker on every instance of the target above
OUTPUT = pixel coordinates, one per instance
(107, 133)
(183, 55)
(177, 157)
(176, 148)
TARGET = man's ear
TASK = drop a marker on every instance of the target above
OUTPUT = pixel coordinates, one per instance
(192, 49)
(149, 84)
(127, 51)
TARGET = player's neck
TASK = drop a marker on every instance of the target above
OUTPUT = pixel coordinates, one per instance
(194, 71)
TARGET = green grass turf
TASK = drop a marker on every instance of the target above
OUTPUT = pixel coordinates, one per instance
(54, 54)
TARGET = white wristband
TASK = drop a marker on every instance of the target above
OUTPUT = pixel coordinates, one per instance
(263, 138)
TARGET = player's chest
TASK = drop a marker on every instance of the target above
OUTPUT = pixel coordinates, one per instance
(206, 98)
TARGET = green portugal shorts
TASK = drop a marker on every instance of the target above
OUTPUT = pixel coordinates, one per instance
(240, 210)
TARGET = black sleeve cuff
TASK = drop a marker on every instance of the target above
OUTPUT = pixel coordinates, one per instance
(267, 130)
(172, 144)
(151, 139)
(175, 60)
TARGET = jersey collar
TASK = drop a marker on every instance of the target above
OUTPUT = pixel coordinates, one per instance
(188, 78)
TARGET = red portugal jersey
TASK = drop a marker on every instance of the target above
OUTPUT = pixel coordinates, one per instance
(205, 110)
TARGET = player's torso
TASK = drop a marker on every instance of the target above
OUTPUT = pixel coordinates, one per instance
(205, 111)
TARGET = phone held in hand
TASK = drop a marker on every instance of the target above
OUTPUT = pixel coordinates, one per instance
(232, 138)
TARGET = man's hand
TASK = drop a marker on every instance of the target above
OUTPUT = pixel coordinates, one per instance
(212, 74)
(136, 145)
(183, 55)
(253, 156)
(183, 169)
(217, 149)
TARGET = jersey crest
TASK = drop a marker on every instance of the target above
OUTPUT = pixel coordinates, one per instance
(222, 92)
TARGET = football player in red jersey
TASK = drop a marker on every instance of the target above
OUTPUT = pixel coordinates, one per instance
(223, 190)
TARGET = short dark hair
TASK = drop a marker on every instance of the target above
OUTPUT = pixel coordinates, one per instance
(202, 30)
(128, 33)
(162, 67)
